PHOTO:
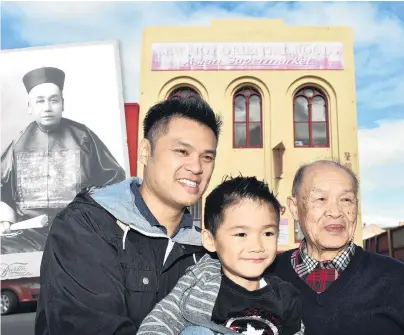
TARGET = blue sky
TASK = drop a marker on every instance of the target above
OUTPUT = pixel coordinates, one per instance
(379, 62)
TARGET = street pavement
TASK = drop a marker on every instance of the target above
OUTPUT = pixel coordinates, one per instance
(21, 323)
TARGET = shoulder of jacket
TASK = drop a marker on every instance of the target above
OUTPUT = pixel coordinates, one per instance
(206, 266)
(88, 214)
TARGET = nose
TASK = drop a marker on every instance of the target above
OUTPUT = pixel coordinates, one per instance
(46, 107)
(256, 245)
(194, 165)
(334, 209)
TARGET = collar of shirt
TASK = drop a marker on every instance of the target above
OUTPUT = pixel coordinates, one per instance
(186, 221)
(304, 264)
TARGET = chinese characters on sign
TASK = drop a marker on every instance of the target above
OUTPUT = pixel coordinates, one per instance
(247, 56)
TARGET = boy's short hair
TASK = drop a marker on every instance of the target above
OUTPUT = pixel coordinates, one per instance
(230, 192)
(158, 117)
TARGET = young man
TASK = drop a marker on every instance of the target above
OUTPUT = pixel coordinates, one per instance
(114, 252)
(231, 295)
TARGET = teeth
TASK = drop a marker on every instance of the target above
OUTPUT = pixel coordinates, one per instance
(188, 182)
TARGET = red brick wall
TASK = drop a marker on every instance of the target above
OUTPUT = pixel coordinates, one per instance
(132, 129)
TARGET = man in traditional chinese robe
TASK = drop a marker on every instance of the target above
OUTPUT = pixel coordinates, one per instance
(50, 161)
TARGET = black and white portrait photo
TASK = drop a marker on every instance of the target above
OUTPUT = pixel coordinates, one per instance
(62, 129)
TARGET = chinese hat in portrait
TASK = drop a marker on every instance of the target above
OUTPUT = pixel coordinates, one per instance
(44, 75)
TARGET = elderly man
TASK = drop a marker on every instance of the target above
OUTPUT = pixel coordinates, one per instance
(50, 161)
(344, 289)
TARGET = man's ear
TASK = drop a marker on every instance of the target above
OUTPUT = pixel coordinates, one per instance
(292, 204)
(208, 241)
(144, 151)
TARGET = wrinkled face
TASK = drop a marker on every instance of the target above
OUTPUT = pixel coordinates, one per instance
(326, 206)
(246, 241)
(46, 104)
(179, 169)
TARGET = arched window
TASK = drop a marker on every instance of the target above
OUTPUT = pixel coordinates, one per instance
(183, 92)
(247, 118)
(310, 118)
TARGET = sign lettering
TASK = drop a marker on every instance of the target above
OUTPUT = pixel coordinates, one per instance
(247, 56)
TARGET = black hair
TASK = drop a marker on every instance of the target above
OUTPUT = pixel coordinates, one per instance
(157, 119)
(230, 192)
(298, 179)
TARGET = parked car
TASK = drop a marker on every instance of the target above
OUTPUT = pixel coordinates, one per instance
(17, 291)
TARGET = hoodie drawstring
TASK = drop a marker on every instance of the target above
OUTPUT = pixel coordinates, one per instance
(126, 229)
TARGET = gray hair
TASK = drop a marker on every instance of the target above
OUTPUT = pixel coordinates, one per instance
(297, 181)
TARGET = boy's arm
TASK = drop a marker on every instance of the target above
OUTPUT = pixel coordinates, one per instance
(166, 317)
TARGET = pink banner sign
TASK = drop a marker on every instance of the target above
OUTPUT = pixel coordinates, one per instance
(247, 56)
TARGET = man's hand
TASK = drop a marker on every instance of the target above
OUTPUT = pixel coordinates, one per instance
(5, 227)
(7, 218)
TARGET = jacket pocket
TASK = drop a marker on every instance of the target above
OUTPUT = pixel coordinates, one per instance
(142, 287)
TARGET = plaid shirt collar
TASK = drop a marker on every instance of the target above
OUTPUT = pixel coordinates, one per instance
(304, 264)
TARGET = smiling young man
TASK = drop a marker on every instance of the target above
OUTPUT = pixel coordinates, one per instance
(115, 252)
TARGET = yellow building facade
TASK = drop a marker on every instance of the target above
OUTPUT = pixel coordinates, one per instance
(286, 95)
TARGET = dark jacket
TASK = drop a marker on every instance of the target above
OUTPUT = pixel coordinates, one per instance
(366, 299)
(98, 276)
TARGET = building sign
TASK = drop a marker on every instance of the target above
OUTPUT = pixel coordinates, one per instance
(247, 56)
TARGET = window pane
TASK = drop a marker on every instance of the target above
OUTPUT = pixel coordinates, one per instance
(318, 109)
(309, 93)
(301, 134)
(195, 210)
(255, 134)
(301, 109)
(239, 108)
(254, 112)
(184, 93)
(298, 232)
(240, 134)
(319, 135)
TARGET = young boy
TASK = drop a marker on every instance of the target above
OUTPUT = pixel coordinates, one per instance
(231, 294)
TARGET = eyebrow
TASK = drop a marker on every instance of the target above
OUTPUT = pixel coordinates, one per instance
(187, 145)
(270, 225)
(41, 96)
(321, 191)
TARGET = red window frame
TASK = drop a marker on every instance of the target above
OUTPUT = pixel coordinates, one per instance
(317, 93)
(247, 122)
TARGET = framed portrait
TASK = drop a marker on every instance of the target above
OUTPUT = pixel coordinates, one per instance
(62, 130)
